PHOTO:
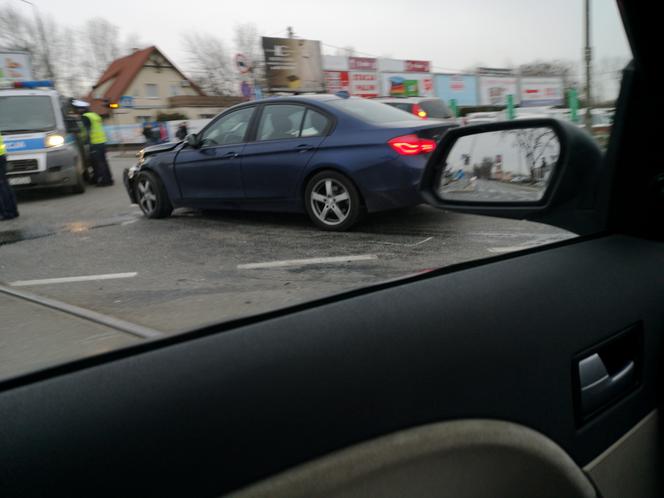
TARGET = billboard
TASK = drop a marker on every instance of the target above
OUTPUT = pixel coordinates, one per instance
(293, 65)
(364, 84)
(15, 66)
(336, 81)
(495, 89)
(460, 87)
(417, 66)
(542, 91)
(407, 85)
(362, 64)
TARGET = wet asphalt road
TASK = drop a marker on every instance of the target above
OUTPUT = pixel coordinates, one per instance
(197, 268)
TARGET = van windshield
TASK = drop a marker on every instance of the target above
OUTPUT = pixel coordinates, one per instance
(21, 113)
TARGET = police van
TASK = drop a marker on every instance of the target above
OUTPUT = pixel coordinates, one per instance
(40, 140)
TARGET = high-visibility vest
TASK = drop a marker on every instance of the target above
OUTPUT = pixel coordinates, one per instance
(97, 135)
(3, 149)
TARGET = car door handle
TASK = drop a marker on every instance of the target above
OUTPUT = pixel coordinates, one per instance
(229, 155)
(304, 147)
(598, 387)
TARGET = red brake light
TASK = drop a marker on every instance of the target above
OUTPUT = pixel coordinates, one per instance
(411, 145)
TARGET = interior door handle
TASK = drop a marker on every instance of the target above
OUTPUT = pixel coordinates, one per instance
(598, 387)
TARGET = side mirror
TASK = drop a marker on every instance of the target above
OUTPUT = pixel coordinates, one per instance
(71, 125)
(542, 170)
(192, 140)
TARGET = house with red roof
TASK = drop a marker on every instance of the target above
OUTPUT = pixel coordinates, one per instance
(146, 83)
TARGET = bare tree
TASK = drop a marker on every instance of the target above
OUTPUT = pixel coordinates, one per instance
(210, 64)
(534, 143)
(568, 70)
(101, 46)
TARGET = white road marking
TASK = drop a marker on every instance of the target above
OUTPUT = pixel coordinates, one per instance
(304, 262)
(401, 244)
(64, 280)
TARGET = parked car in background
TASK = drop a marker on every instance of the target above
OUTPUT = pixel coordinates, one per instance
(422, 107)
(329, 156)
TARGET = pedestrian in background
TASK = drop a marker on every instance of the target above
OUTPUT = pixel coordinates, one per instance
(148, 133)
(182, 131)
(96, 139)
(8, 209)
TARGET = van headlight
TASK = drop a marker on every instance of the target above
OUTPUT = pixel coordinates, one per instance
(54, 140)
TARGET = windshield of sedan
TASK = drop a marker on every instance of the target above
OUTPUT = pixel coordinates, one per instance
(279, 174)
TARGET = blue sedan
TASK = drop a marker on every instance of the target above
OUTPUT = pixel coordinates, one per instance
(329, 156)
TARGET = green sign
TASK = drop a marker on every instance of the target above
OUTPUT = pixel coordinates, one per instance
(510, 107)
(454, 107)
(573, 103)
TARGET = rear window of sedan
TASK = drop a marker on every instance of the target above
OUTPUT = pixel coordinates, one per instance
(436, 109)
(371, 111)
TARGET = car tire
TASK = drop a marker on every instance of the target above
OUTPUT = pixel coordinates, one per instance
(151, 195)
(332, 201)
(79, 186)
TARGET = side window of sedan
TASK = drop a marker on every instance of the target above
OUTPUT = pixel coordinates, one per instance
(280, 122)
(229, 129)
(315, 124)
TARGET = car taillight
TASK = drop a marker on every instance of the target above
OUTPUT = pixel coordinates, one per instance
(419, 112)
(411, 145)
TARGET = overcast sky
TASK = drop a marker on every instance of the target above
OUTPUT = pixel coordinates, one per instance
(454, 34)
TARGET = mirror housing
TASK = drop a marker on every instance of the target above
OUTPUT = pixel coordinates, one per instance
(192, 140)
(570, 198)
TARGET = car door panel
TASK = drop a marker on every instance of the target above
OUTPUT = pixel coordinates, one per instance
(210, 173)
(229, 408)
(271, 169)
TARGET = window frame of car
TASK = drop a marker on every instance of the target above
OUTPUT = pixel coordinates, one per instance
(224, 114)
(331, 121)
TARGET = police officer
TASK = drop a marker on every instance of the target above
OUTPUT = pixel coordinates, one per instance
(96, 138)
(8, 209)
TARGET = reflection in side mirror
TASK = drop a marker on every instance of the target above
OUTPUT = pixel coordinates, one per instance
(192, 140)
(512, 165)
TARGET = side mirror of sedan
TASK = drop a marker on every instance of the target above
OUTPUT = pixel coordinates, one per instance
(192, 140)
(543, 170)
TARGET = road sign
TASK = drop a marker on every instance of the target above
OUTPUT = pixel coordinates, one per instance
(127, 101)
(243, 64)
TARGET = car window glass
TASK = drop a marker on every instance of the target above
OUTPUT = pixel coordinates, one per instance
(229, 129)
(314, 125)
(280, 122)
(435, 108)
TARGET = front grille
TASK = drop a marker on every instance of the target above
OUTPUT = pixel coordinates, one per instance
(16, 165)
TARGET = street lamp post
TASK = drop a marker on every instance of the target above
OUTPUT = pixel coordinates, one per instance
(43, 40)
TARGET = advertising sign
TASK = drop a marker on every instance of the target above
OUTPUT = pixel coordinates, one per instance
(495, 89)
(417, 66)
(542, 91)
(408, 85)
(337, 81)
(364, 84)
(362, 64)
(293, 65)
(460, 87)
(15, 66)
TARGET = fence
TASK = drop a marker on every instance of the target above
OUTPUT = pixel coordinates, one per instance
(133, 133)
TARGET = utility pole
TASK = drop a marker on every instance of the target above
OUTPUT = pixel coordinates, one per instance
(588, 55)
(290, 32)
